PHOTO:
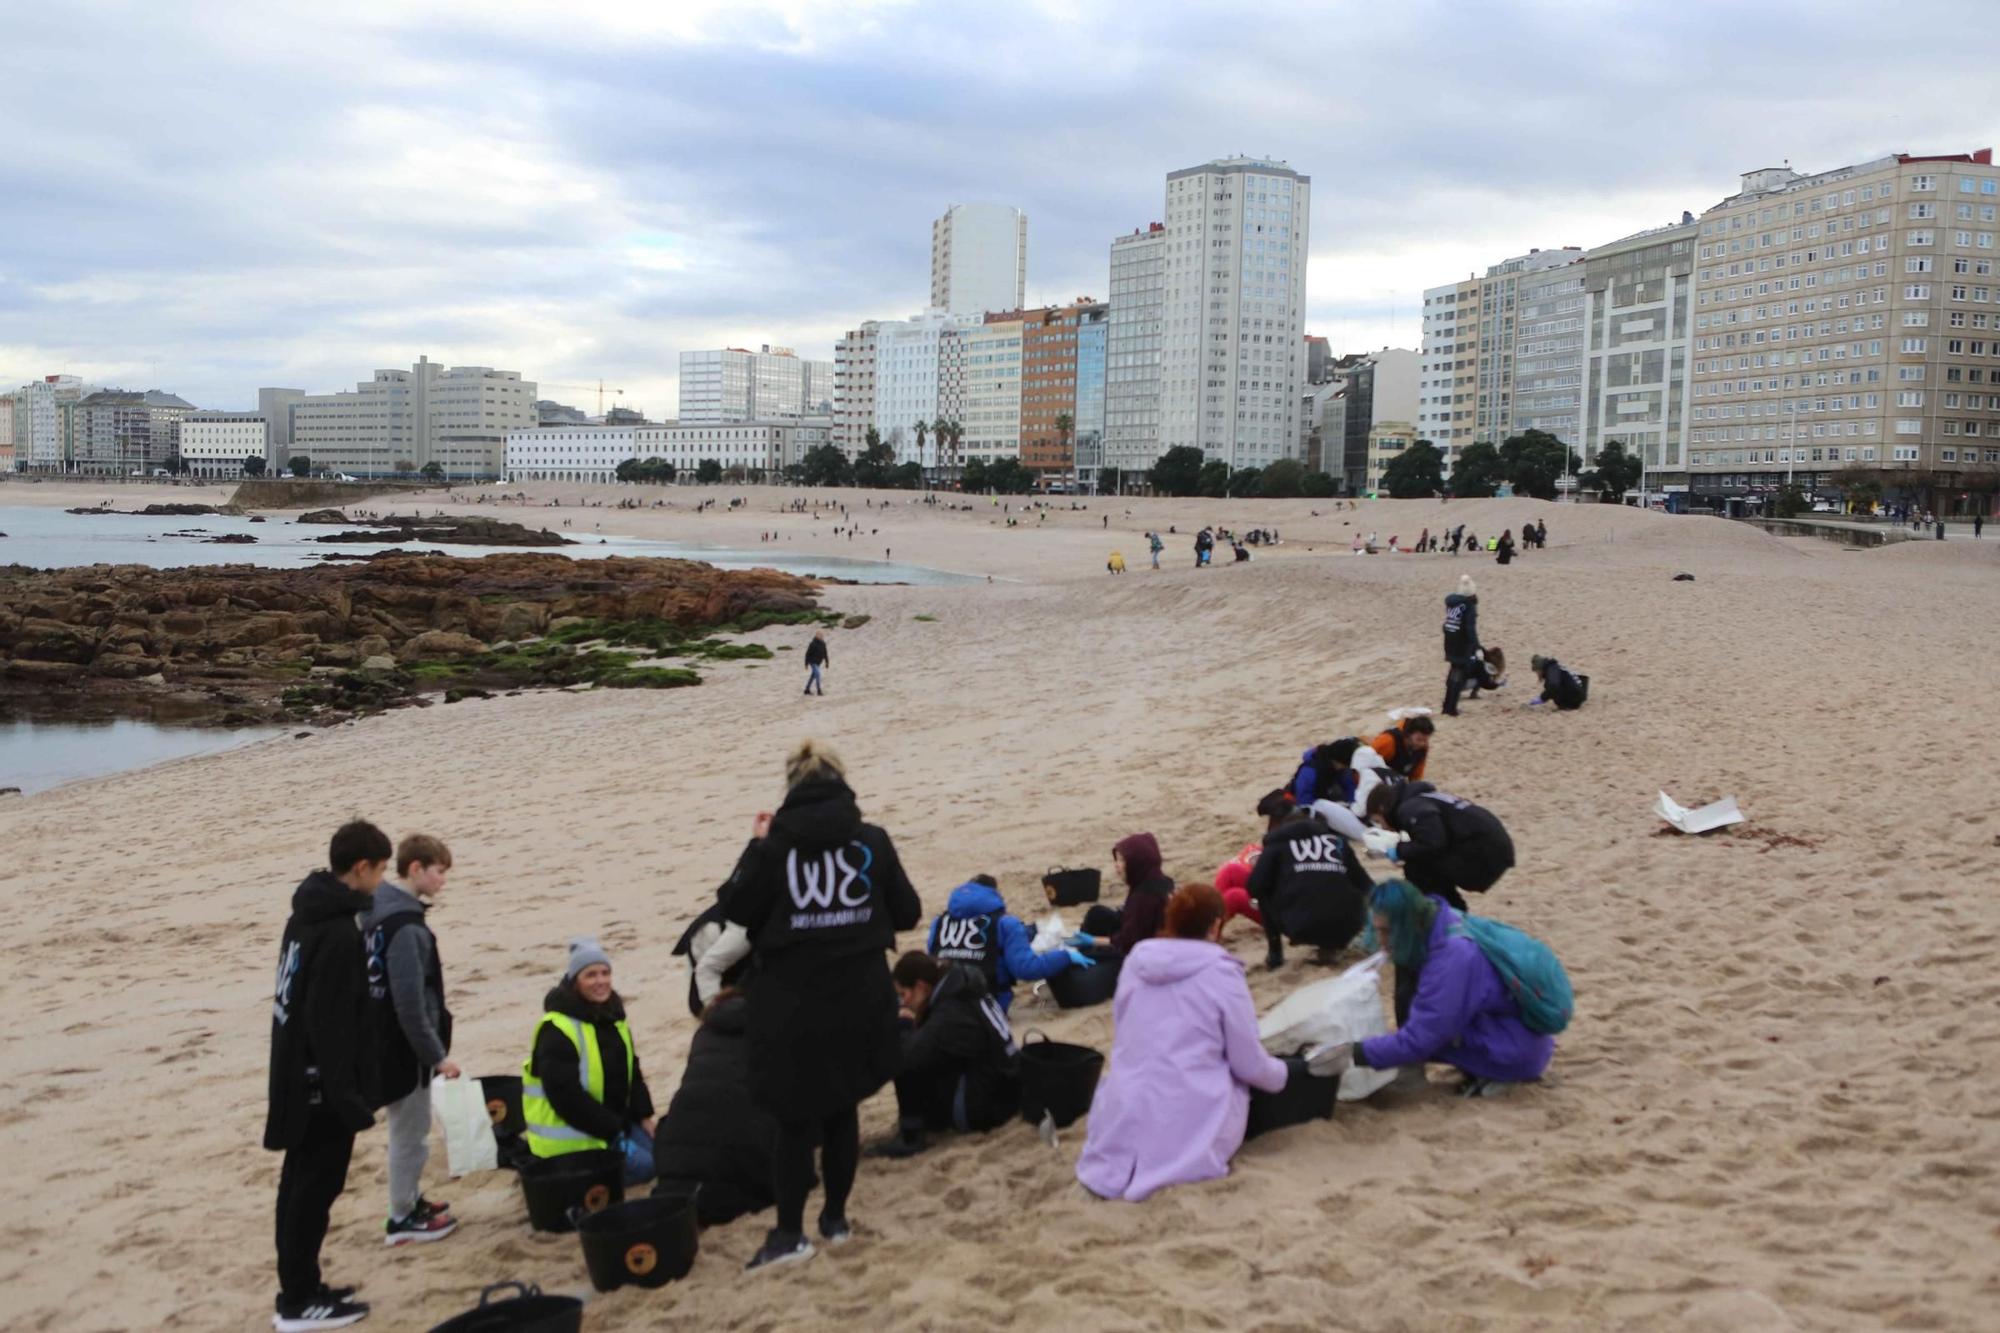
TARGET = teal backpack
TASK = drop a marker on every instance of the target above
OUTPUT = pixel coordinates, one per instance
(1528, 968)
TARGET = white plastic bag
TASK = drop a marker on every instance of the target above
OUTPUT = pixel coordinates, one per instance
(1343, 1008)
(459, 1105)
(1051, 934)
(1714, 815)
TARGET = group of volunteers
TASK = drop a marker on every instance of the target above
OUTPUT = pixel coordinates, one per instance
(803, 1014)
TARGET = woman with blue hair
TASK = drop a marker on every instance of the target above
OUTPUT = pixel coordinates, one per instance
(1461, 1013)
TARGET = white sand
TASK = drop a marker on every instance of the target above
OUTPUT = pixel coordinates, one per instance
(1776, 1108)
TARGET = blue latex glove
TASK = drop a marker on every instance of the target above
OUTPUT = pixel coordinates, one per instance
(1079, 959)
(1080, 941)
(1536, 703)
(1394, 853)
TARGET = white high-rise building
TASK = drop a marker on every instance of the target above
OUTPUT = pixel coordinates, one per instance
(908, 383)
(458, 418)
(991, 410)
(1132, 351)
(1233, 360)
(854, 388)
(766, 385)
(979, 259)
(42, 410)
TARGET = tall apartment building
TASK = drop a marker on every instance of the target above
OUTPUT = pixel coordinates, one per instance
(1530, 346)
(6, 432)
(732, 384)
(1379, 387)
(1639, 313)
(1448, 368)
(1093, 340)
(214, 444)
(979, 259)
(854, 388)
(275, 406)
(1233, 359)
(119, 432)
(913, 379)
(1849, 318)
(44, 423)
(992, 408)
(458, 418)
(1133, 338)
(1049, 338)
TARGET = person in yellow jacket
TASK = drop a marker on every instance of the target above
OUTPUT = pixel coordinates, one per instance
(581, 1086)
(1116, 564)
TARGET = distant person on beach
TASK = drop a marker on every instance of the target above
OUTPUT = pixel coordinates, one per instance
(1175, 1102)
(977, 930)
(817, 661)
(1309, 886)
(582, 1089)
(1978, 524)
(1116, 564)
(1461, 640)
(412, 1029)
(960, 1068)
(1460, 1011)
(1451, 844)
(1560, 686)
(1155, 545)
(1505, 547)
(322, 1085)
(822, 900)
(1114, 932)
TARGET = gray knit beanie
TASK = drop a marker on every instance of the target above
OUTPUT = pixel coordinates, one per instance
(584, 951)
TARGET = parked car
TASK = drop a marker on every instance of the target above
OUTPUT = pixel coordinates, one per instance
(1825, 507)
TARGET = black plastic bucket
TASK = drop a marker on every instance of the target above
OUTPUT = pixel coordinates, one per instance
(503, 1107)
(1067, 887)
(645, 1242)
(1058, 1078)
(526, 1312)
(1080, 987)
(1303, 1098)
(556, 1188)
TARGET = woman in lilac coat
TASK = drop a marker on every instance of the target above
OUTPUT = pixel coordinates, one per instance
(1183, 1060)
(1461, 1014)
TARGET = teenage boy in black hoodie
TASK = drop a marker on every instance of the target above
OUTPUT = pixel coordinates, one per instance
(322, 1069)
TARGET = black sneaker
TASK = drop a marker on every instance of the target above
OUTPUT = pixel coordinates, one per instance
(835, 1230)
(418, 1227)
(320, 1310)
(781, 1250)
(899, 1145)
(426, 1206)
(1275, 959)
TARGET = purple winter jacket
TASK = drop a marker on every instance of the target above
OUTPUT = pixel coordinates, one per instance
(1172, 1108)
(1462, 1015)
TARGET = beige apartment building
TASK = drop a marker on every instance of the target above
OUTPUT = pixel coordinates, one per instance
(1849, 319)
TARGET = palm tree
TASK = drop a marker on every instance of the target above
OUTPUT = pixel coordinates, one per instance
(1065, 423)
(956, 432)
(940, 435)
(922, 429)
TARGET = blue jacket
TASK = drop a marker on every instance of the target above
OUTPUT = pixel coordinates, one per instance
(1018, 959)
(1462, 1015)
(1306, 782)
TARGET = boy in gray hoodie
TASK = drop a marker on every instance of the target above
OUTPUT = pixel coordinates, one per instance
(412, 1029)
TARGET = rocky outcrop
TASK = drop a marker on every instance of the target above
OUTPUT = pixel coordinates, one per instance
(465, 530)
(121, 638)
(165, 511)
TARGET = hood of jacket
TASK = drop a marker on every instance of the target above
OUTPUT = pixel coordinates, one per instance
(565, 1001)
(1165, 961)
(1461, 599)
(1141, 853)
(817, 815)
(392, 900)
(322, 897)
(974, 899)
(959, 983)
(730, 1016)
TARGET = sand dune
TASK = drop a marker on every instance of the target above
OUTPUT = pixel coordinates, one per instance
(1776, 1109)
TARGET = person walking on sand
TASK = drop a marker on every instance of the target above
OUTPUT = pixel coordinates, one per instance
(816, 662)
(1155, 545)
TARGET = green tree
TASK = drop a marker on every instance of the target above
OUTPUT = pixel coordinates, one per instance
(975, 478)
(734, 474)
(708, 471)
(628, 470)
(921, 429)
(1007, 477)
(301, 465)
(1416, 472)
(826, 466)
(1244, 481)
(406, 465)
(1178, 472)
(907, 477)
(1534, 461)
(175, 465)
(1110, 481)
(795, 473)
(1478, 473)
(433, 470)
(1318, 486)
(253, 466)
(1614, 474)
(1792, 501)
(1066, 428)
(657, 470)
(1214, 479)
(1283, 480)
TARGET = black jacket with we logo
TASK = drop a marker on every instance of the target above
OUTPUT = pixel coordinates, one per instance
(322, 1051)
(1309, 886)
(822, 896)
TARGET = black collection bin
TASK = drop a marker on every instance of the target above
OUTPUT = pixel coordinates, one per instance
(527, 1311)
(1303, 1098)
(1058, 1078)
(1066, 887)
(503, 1106)
(1080, 987)
(645, 1242)
(558, 1188)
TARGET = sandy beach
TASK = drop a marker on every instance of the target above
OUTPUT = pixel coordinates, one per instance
(1778, 1107)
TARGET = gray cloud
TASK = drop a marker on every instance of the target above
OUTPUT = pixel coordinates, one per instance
(213, 197)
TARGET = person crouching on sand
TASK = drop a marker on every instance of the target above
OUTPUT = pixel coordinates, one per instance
(1462, 1013)
(960, 1069)
(1114, 932)
(1184, 1056)
(582, 1089)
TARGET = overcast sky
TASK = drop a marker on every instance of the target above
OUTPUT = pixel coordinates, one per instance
(210, 196)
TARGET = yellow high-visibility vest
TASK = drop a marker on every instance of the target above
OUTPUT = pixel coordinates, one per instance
(549, 1135)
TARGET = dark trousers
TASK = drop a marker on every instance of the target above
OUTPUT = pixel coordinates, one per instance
(929, 1097)
(314, 1174)
(1454, 681)
(838, 1138)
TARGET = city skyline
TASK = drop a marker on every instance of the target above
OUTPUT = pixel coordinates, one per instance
(586, 200)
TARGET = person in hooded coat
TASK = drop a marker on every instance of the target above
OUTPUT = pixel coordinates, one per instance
(1113, 933)
(1560, 686)
(822, 902)
(1310, 886)
(1452, 844)
(976, 929)
(713, 1134)
(1461, 640)
(1174, 1104)
(961, 1068)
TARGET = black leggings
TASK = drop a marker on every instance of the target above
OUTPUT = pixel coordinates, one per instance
(838, 1137)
